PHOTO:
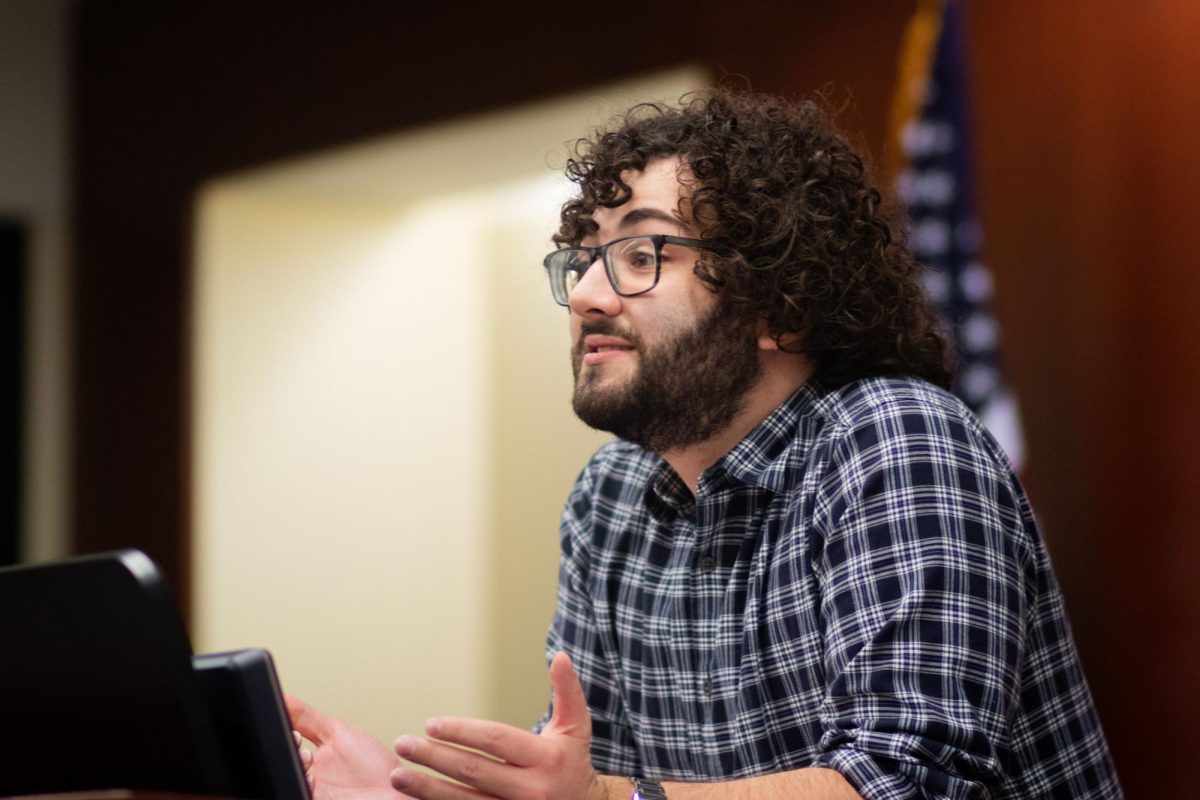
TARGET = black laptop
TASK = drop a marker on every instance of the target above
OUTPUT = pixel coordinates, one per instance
(99, 689)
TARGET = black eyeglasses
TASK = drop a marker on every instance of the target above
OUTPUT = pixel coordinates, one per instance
(633, 264)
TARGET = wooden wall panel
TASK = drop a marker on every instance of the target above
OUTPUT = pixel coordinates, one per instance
(1087, 115)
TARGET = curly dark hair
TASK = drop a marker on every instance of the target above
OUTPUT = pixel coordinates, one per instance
(802, 238)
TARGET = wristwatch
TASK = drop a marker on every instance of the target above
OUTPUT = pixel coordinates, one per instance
(647, 790)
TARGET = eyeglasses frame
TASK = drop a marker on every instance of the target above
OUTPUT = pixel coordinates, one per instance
(601, 252)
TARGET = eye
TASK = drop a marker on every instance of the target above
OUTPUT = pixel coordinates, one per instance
(642, 260)
(637, 254)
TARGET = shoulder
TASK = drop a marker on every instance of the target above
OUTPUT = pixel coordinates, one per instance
(904, 447)
(871, 400)
(887, 418)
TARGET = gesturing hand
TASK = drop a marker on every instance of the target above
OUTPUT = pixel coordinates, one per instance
(348, 762)
(515, 763)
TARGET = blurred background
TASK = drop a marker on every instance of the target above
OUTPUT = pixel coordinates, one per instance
(272, 311)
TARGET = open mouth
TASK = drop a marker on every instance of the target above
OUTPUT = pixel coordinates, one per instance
(598, 348)
(603, 343)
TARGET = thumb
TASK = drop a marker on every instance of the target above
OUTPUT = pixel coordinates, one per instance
(314, 725)
(570, 705)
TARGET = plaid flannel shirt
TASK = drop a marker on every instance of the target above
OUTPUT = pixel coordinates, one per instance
(859, 584)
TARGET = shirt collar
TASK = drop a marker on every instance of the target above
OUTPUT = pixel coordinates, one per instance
(768, 456)
(667, 492)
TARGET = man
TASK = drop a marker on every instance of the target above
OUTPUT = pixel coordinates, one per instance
(803, 569)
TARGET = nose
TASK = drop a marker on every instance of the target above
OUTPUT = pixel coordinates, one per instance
(594, 295)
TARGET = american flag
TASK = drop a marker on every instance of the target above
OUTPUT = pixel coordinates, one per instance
(933, 180)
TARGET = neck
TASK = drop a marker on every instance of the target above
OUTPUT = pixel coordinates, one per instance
(782, 375)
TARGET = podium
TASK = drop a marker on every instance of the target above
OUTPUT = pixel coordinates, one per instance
(94, 647)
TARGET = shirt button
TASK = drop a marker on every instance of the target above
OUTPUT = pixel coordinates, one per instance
(708, 564)
(708, 687)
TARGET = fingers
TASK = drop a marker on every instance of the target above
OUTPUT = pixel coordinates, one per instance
(514, 745)
(314, 725)
(571, 714)
(306, 760)
(483, 776)
(429, 787)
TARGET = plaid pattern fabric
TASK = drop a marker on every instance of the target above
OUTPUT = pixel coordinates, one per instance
(858, 584)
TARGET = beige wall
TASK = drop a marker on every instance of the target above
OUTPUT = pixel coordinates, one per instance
(337, 503)
(383, 437)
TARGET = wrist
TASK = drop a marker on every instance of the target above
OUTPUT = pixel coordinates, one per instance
(613, 787)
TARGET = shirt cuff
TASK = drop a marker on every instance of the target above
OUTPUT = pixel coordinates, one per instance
(877, 778)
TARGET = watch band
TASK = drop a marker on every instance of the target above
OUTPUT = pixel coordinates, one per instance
(647, 790)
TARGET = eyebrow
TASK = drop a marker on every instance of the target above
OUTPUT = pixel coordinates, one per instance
(643, 214)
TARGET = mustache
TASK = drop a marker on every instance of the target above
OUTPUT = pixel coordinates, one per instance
(605, 327)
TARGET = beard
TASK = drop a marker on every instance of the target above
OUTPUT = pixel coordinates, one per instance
(686, 389)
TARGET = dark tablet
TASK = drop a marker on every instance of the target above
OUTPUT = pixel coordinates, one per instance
(242, 693)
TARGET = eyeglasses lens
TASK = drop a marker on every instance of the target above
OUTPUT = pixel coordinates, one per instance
(634, 263)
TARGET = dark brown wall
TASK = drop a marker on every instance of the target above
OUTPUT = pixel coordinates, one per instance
(1087, 174)
(1086, 123)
